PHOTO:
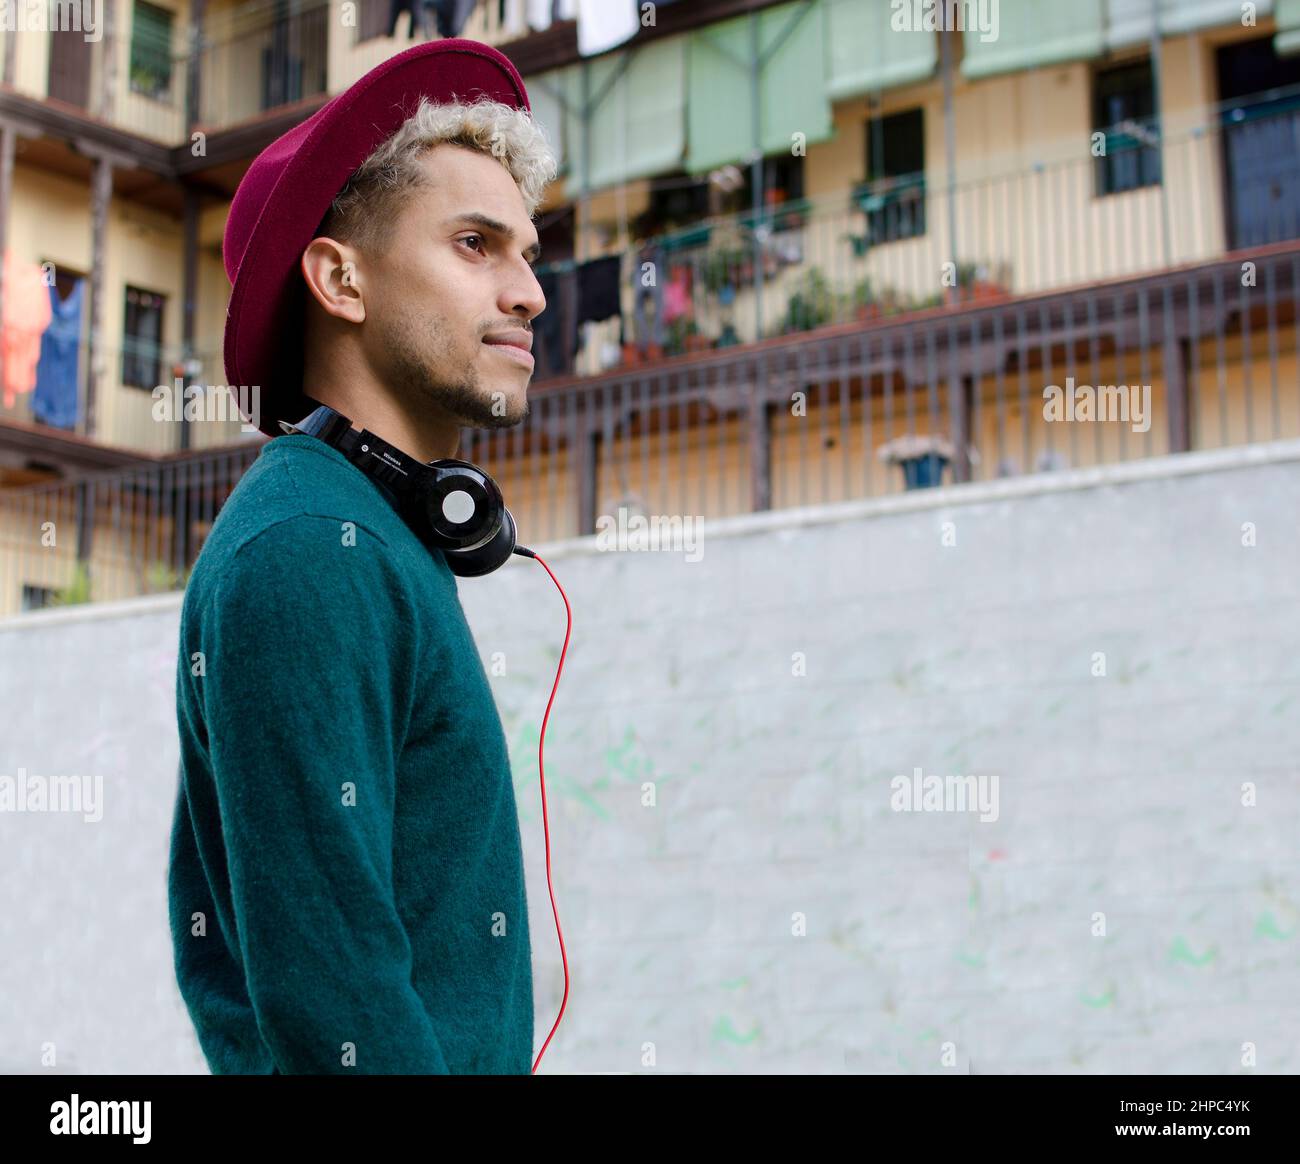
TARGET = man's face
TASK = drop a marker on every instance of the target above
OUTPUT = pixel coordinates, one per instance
(451, 287)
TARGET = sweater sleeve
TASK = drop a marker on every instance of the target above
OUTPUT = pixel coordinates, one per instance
(306, 694)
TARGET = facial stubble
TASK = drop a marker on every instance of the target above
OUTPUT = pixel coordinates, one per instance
(437, 374)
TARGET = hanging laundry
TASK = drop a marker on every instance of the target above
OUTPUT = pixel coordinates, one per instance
(539, 14)
(396, 8)
(598, 288)
(548, 335)
(26, 316)
(54, 400)
(677, 294)
(647, 332)
(452, 15)
(605, 24)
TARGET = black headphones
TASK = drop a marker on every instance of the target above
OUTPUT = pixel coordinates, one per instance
(449, 503)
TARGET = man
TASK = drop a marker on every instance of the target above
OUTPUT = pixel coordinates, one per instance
(346, 886)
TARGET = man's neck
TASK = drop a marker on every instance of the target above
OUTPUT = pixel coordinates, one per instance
(428, 437)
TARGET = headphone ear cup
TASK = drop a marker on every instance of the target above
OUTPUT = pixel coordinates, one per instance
(487, 557)
(457, 530)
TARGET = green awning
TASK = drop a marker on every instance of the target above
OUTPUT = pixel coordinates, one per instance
(1129, 21)
(638, 128)
(547, 111)
(1033, 33)
(1287, 40)
(791, 85)
(1178, 16)
(864, 53)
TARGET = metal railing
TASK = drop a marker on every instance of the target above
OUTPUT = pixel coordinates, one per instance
(1197, 358)
(111, 535)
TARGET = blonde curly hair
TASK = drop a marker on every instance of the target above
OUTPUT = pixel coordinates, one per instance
(364, 211)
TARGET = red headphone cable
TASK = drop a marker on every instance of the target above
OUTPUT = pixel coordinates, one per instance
(541, 769)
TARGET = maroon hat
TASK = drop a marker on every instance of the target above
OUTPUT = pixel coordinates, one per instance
(288, 189)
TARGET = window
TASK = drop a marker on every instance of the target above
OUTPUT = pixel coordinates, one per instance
(893, 196)
(142, 342)
(1124, 111)
(151, 50)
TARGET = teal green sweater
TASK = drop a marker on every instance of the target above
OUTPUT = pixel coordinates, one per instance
(346, 888)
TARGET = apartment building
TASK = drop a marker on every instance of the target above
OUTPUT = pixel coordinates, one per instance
(894, 245)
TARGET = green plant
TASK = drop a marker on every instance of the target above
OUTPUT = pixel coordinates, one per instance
(811, 305)
(722, 267)
(147, 81)
(678, 330)
(77, 591)
(160, 578)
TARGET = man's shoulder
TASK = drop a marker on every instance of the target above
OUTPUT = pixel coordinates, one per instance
(299, 477)
(297, 514)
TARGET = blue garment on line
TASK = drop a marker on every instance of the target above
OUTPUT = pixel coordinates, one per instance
(54, 400)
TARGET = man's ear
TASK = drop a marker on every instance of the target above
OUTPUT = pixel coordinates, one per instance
(332, 272)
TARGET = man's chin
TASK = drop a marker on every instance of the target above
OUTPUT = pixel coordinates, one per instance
(515, 412)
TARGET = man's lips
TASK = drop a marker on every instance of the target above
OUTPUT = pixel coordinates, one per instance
(515, 344)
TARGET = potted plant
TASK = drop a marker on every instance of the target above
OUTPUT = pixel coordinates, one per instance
(811, 305)
(695, 340)
(721, 268)
(866, 306)
(678, 330)
(976, 284)
(923, 457)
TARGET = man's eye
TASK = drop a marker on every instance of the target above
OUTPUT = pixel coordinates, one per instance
(470, 236)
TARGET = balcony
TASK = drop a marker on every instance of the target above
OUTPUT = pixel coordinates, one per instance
(876, 254)
(916, 244)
